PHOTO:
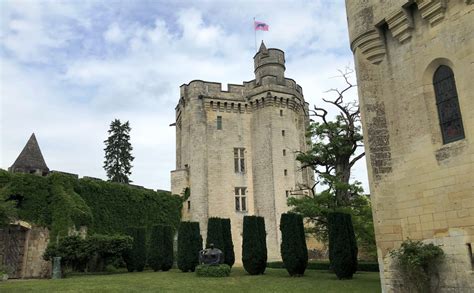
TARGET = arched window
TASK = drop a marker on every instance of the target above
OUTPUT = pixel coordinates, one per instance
(447, 103)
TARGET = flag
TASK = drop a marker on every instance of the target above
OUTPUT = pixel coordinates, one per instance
(261, 26)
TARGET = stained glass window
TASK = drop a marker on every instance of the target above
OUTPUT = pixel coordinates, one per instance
(449, 114)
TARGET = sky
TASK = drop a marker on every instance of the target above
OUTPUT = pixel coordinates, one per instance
(68, 68)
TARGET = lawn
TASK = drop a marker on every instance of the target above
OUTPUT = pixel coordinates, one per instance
(274, 280)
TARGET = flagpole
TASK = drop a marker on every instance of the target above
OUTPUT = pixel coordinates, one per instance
(255, 31)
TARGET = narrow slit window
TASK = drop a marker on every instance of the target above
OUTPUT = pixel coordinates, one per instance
(449, 113)
(471, 257)
(284, 152)
(189, 205)
(282, 133)
(281, 112)
(219, 122)
(285, 172)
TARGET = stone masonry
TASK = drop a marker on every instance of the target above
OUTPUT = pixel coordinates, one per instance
(422, 187)
(266, 118)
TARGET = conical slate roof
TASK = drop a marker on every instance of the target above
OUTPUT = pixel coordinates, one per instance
(263, 48)
(30, 158)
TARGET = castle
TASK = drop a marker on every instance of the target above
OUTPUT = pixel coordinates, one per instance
(236, 149)
(414, 63)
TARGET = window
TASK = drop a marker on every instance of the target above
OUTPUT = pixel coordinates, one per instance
(281, 112)
(471, 256)
(189, 205)
(285, 172)
(239, 160)
(287, 193)
(219, 122)
(284, 152)
(240, 199)
(449, 114)
(282, 133)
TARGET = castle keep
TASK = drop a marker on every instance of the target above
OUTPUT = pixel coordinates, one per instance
(236, 149)
(414, 63)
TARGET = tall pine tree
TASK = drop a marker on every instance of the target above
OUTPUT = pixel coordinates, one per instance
(118, 157)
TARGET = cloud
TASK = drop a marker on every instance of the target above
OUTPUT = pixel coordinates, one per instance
(69, 68)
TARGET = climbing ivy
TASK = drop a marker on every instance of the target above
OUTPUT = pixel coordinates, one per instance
(61, 202)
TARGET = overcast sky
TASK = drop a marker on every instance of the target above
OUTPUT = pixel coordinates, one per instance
(68, 68)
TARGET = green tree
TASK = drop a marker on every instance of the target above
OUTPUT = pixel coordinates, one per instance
(229, 255)
(341, 250)
(160, 256)
(334, 149)
(135, 258)
(294, 252)
(254, 248)
(215, 233)
(118, 157)
(189, 245)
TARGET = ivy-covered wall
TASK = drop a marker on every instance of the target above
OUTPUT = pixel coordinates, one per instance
(59, 202)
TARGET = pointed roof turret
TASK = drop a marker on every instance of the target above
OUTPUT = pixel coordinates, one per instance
(30, 159)
(263, 48)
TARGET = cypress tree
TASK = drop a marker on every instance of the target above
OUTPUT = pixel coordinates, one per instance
(353, 242)
(189, 245)
(254, 250)
(161, 248)
(215, 234)
(229, 256)
(135, 258)
(293, 245)
(341, 254)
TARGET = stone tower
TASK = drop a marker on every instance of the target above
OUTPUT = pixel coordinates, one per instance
(30, 159)
(414, 63)
(236, 149)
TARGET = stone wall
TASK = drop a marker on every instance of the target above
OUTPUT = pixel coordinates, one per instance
(421, 188)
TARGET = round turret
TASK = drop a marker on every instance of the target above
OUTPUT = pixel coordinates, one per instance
(269, 66)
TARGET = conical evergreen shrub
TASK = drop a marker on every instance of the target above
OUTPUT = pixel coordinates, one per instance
(215, 234)
(254, 249)
(229, 255)
(353, 242)
(135, 258)
(189, 245)
(160, 256)
(340, 248)
(294, 252)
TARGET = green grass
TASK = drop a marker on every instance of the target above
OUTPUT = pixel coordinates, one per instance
(274, 280)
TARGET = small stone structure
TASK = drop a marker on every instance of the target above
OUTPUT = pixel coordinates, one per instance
(30, 159)
(414, 61)
(21, 250)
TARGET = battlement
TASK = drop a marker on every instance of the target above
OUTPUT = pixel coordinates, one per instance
(207, 88)
(369, 20)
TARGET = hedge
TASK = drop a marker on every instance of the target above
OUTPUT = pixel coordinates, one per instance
(160, 256)
(189, 245)
(341, 251)
(135, 257)
(254, 250)
(60, 202)
(215, 234)
(229, 255)
(221, 270)
(293, 245)
(78, 254)
(324, 265)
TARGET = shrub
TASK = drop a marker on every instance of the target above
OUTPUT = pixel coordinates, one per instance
(293, 245)
(340, 248)
(135, 257)
(221, 270)
(189, 245)
(215, 234)
(160, 256)
(417, 263)
(76, 252)
(254, 250)
(229, 256)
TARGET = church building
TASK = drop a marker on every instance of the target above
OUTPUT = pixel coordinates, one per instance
(236, 149)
